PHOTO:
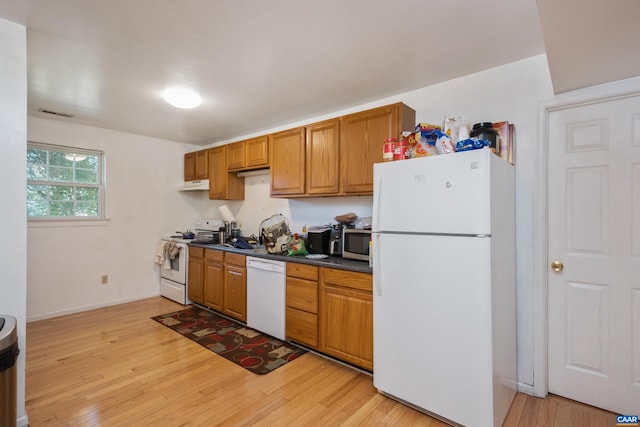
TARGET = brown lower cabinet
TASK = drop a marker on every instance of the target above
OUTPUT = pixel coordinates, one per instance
(331, 311)
(214, 279)
(235, 286)
(327, 309)
(218, 280)
(346, 316)
(302, 304)
(195, 275)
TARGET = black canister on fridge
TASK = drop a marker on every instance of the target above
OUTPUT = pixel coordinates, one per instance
(486, 131)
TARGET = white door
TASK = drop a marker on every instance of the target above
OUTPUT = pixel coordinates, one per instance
(594, 231)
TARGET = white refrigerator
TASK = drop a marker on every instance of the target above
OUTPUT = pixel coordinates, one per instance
(444, 316)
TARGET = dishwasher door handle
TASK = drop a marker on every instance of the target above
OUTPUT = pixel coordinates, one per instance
(276, 267)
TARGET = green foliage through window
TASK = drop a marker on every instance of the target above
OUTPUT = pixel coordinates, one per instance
(63, 182)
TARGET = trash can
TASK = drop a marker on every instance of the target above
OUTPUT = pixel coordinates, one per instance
(8, 356)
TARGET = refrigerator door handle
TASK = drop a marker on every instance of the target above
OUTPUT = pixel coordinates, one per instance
(377, 265)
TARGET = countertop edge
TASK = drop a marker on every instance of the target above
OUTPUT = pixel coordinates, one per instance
(331, 262)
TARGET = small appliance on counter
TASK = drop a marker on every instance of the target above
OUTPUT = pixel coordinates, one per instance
(207, 231)
(318, 239)
(335, 240)
(355, 243)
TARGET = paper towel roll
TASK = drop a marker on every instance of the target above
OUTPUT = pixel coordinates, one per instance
(226, 213)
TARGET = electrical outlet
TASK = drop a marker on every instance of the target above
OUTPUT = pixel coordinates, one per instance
(104, 279)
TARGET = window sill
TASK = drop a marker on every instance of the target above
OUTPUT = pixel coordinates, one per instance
(67, 222)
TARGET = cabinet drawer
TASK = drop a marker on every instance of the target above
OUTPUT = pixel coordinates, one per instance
(302, 327)
(196, 252)
(347, 279)
(303, 271)
(235, 259)
(302, 294)
(214, 255)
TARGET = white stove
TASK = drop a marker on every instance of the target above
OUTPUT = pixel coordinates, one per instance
(173, 254)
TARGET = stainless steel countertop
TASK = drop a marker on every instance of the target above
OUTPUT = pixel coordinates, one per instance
(260, 252)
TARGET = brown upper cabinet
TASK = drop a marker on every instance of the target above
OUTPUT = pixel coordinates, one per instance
(196, 165)
(306, 161)
(361, 141)
(330, 158)
(287, 154)
(222, 184)
(323, 158)
(248, 155)
(335, 157)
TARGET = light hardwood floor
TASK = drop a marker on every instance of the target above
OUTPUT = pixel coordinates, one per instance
(116, 367)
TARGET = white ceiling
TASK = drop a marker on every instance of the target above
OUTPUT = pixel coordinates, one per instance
(258, 64)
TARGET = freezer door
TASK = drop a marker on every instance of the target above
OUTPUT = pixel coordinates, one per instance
(432, 324)
(439, 194)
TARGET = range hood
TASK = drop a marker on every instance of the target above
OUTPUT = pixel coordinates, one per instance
(199, 185)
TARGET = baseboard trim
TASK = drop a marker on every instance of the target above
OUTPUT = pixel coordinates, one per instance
(527, 389)
(79, 309)
(22, 421)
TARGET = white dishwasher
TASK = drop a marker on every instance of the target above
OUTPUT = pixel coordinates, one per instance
(266, 296)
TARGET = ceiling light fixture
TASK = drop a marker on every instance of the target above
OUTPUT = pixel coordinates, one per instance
(181, 97)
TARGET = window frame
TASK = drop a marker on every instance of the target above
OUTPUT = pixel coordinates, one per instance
(100, 186)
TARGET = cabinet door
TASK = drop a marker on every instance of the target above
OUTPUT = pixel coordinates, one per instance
(287, 154)
(235, 292)
(257, 152)
(202, 164)
(322, 155)
(195, 280)
(235, 155)
(346, 331)
(214, 282)
(362, 139)
(223, 185)
(217, 173)
(190, 166)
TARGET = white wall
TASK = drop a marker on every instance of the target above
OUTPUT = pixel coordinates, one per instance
(13, 131)
(258, 205)
(65, 262)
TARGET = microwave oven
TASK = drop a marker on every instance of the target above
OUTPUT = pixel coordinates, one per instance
(355, 243)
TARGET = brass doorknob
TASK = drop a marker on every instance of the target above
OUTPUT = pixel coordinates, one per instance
(557, 266)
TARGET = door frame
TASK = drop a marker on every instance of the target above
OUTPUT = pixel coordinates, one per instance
(592, 95)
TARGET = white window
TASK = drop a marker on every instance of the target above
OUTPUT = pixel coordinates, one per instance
(64, 182)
